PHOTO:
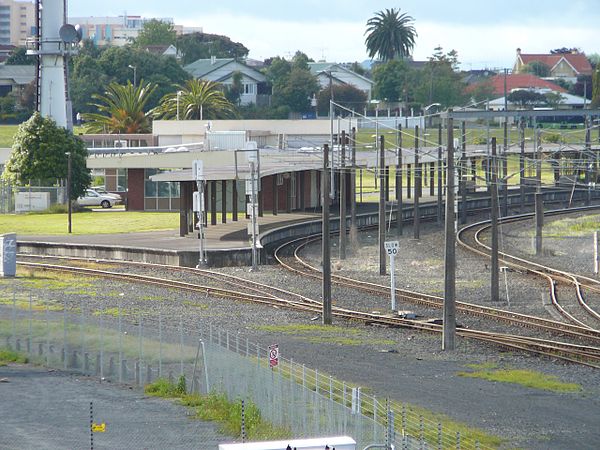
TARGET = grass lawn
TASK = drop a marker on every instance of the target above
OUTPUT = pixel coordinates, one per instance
(88, 222)
(6, 135)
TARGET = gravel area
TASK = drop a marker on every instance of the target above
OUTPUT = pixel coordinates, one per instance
(415, 370)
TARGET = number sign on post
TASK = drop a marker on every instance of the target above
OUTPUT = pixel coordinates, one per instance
(392, 248)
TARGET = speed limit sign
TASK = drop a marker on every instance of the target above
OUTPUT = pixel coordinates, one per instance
(273, 355)
(392, 247)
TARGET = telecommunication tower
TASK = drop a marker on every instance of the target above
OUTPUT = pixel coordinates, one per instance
(55, 41)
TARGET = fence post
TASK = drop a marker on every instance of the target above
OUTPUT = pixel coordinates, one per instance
(458, 440)
(180, 345)
(64, 349)
(439, 436)
(159, 345)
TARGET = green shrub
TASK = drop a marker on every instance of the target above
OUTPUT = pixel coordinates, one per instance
(552, 138)
(8, 356)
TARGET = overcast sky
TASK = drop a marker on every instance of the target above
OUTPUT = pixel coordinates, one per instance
(485, 33)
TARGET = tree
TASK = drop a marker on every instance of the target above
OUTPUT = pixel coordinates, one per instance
(554, 99)
(390, 35)
(198, 99)
(596, 89)
(20, 58)
(537, 68)
(121, 110)
(390, 80)
(195, 46)
(293, 83)
(156, 32)
(234, 91)
(94, 69)
(39, 153)
(439, 81)
(525, 97)
(345, 95)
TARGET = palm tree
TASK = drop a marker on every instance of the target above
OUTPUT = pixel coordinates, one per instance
(195, 100)
(121, 109)
(390, 35)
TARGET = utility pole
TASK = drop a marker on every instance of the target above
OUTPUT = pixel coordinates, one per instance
(495, 294)
(382, 252)
(588, 159)
(449, 319)
(416, 212)
(325, 249)
(353, 225)
(343, 197)
(538, 151)
(505, 170)
(439, 181)
(522, 165)
(539, 222)
(462, 173)
(399, 192)
(69, 181)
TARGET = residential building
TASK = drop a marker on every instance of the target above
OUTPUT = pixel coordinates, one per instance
(221, 70)
(119, 30)
(339, 75)
(17, 21)
(14, 79)
(567, 66)
(515, 81)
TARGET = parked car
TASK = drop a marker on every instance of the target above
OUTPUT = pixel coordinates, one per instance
(95, 198)
(101, 190)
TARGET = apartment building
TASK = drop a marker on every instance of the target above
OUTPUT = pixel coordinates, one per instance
(17, 22)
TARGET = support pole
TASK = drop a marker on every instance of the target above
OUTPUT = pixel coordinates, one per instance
(504, 182)
(440, 163)
(495, 282)
(353, 225)
(522, 166)
(399, 192)
(449, 319)
(539, 222)
(596, 253)
(69, 182)
(381, 224)
(325, 248)
(343, 197)
(234, 200)
(588, 160)
(416, 212)
(462, 174)
(223, 201)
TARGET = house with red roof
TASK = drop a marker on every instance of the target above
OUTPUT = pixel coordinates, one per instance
(567, 66)
(515, 81)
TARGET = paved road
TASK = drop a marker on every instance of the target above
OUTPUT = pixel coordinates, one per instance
(41, 409)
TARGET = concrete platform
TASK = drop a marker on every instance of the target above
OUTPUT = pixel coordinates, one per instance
(227, 244)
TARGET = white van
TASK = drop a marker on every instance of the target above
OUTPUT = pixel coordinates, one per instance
(337, 443)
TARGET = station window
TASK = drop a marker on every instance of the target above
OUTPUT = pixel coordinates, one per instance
(160, 195)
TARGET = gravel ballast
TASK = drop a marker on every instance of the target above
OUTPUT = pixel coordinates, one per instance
(401, 364)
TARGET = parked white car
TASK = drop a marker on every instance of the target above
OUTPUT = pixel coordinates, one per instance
(100, 190)
(95, 198)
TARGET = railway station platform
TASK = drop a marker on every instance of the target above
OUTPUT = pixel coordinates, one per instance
(227, 244)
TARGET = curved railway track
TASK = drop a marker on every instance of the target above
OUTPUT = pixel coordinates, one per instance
(470, 237)
(576, 353)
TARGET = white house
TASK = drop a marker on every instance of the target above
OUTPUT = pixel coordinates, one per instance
(221, 70)
(340, 75)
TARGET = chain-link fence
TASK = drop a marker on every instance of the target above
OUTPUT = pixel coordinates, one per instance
(133, 348)
(21, 199)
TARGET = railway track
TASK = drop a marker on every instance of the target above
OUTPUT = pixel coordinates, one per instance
(568, 351)
(470, 237)
(581, 354)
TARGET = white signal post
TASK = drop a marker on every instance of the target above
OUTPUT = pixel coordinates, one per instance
(392, 248)
(198, 172)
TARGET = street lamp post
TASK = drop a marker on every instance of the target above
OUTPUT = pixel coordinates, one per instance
(69, 209)
(134, 74)
(178, 97)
